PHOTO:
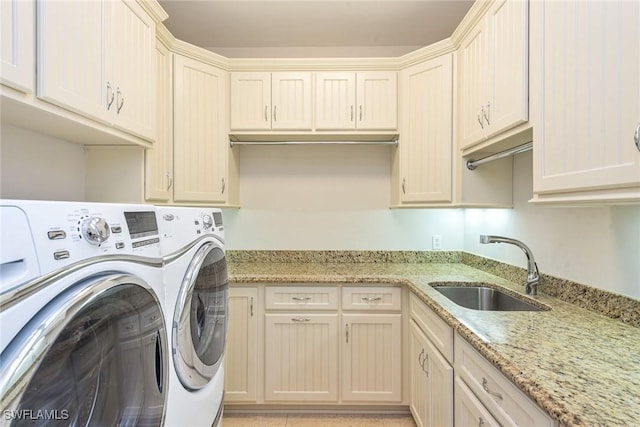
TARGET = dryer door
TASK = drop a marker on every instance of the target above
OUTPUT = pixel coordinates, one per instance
(200, 321)
(95, 355)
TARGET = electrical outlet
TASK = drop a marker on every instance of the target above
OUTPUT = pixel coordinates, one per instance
(436, 242)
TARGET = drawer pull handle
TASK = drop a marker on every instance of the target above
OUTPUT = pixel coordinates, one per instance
(486, 388)
(300, 319)
(371, 299)
(301, 298)
(480, 422)
(251, 307)
(420, 361)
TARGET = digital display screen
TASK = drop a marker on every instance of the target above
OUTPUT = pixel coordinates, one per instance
(141, 224)
(217, 219)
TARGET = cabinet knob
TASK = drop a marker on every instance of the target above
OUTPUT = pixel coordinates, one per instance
(636, 137)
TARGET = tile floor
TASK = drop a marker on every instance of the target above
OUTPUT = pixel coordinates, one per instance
(297, 420)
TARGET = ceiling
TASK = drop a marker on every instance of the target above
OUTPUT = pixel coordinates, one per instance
(311, 28)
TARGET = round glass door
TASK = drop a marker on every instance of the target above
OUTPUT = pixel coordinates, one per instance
(200, 323)
(100, 352)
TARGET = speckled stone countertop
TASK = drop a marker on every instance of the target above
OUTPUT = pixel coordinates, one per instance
(581, 367)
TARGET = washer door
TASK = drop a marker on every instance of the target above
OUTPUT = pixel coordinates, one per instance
(95, 355)
(200, 321)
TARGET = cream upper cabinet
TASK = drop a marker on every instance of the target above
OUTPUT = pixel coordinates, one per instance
(425, 164)
(159, 158)
(271, 101)
(493, 74)
(362, 100)
(96, 59)
(17, 57)
(200, 149)
(241, 361)
(586, 104)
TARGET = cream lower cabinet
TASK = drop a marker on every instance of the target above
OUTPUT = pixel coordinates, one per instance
(431, 373)
(301, 344)
(470, 412)
(371, 344)
(371, 358)
(585, 79)
(241, 360)
(301, 357)
(494, 394)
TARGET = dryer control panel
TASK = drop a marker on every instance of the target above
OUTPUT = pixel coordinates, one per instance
(68, 232)
(179, 226)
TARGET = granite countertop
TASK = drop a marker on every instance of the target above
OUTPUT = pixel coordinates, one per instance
(581, 367)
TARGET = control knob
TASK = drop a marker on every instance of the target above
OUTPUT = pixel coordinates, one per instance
(95, 230)
(207, 221)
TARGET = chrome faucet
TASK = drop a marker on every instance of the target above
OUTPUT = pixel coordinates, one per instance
(533, 276)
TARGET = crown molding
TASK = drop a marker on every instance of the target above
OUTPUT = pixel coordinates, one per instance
(153, 8)
(313, 64)
(471, 19)
(428, 52)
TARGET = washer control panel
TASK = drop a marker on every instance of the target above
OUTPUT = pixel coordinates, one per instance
(68, 232)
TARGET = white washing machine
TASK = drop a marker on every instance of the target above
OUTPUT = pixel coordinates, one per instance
(197, 297)
(83, 339)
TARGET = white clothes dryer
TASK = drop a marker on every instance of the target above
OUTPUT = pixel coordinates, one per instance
(83, 340)
(197, 295)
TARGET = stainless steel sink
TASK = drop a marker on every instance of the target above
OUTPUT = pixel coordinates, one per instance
(484, 298)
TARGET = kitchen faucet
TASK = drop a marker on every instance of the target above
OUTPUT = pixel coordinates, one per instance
(533, 277)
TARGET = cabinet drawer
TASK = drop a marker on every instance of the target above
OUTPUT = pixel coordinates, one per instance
(501, 397)
(371, 298)
(301, 298)
(436, 329)
(469, 410)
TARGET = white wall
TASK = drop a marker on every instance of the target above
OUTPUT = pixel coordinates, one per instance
(36, 166)
(328, 198)
(597, 246)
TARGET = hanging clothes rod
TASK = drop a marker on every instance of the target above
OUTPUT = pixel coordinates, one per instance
(473, 164)
(233, 143)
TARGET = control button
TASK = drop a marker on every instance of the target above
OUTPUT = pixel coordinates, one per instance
(95, 230)
(119, 245)
(196, 222)
(207, 221)
(116, 229)
(61, 255)
(198, 231)
(57, 235)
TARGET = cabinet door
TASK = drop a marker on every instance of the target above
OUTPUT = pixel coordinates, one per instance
(470, 412)
(372, 358)
(335, 101)
(588, 57)
(129, 49)
(17, 31)
(241, 362)
(159, 159)
(473, 80)
(250, 101)
(417, 377)
(508, 103)
(200, 141)
(426, 145)
(71, 57)
(440, 387)
(301, 357)
(291, 101)
(377, 100)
